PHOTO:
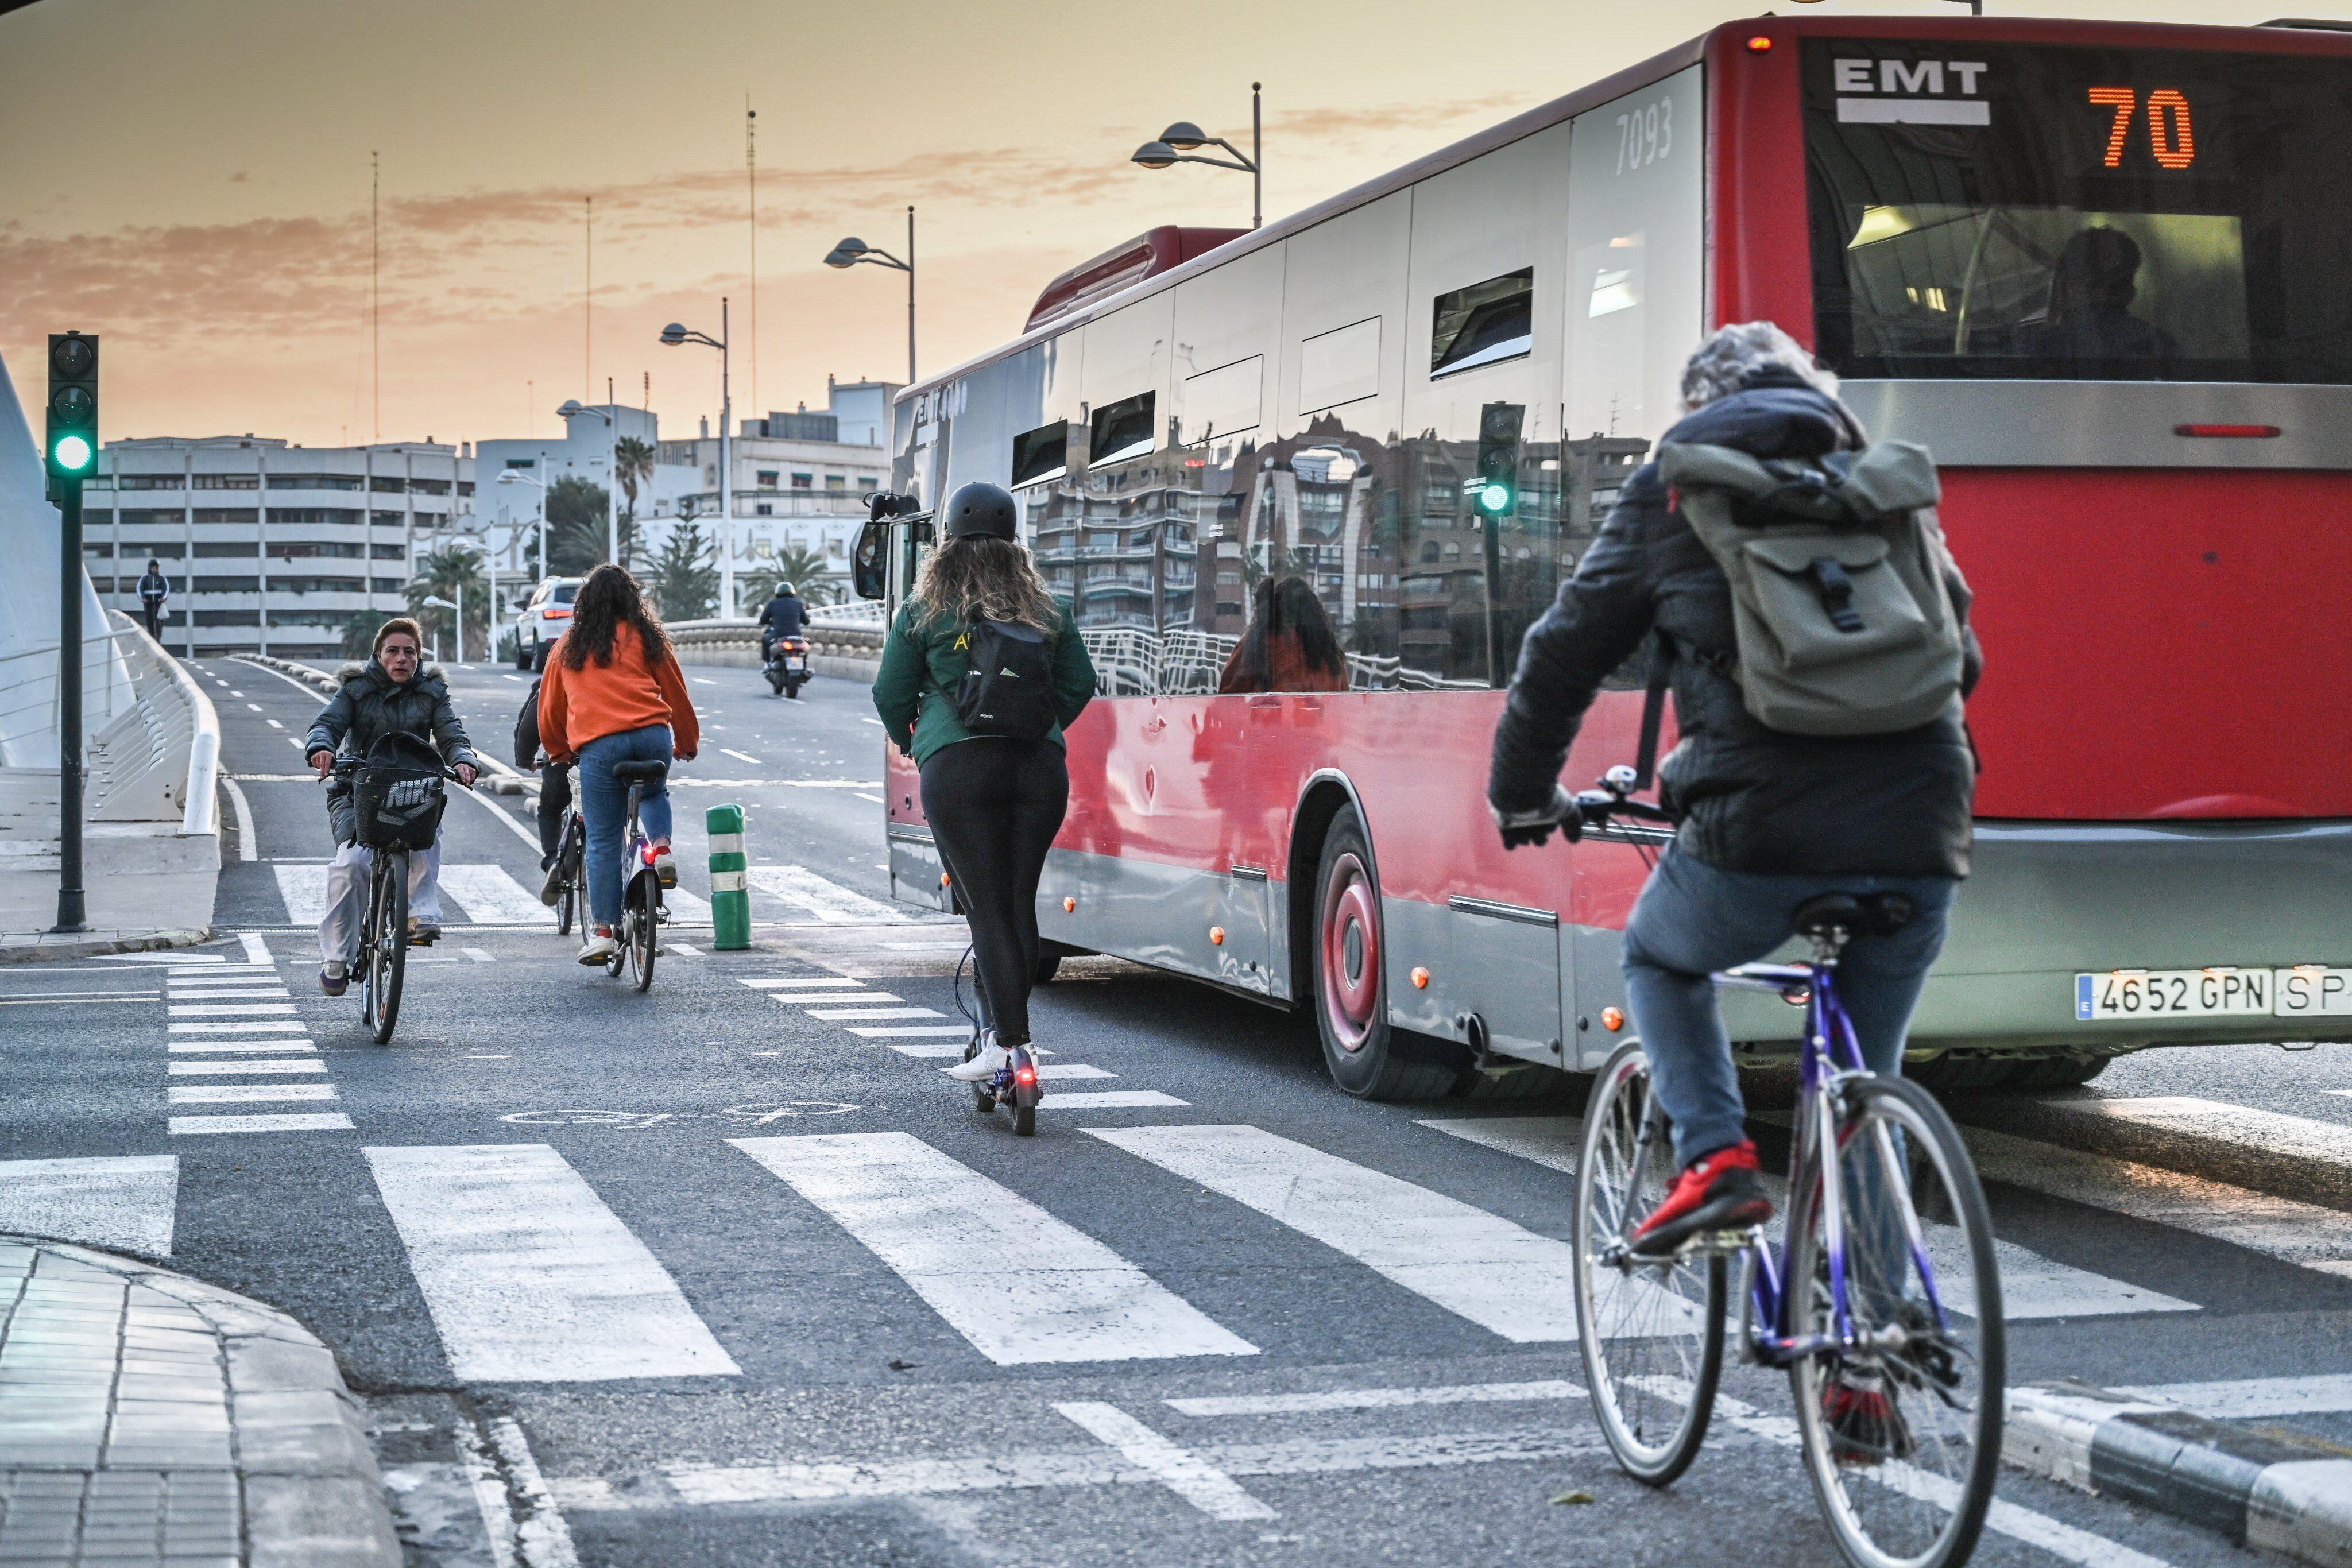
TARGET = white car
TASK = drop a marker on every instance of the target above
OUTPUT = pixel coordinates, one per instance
(541, 623)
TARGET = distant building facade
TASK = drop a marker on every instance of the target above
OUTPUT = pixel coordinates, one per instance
(268, 546)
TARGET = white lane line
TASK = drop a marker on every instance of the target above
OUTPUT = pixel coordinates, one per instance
(304, 890)
(1182, 1471)
(246, 1093)
(286, 1121)
(182, 1047)
(817, 983)
(2252, 1399)
(1550, 1141)
(255, 706)
(1111, 1099)
(183, 993)
(243, 812)
(2060, 1540)
(876, 798)
(1069, 1069)
(530, 1277)
(498, 814)
(803, 998)
(273, 724)
(239, 1068)
(1376, 1398)
(256, 951)
(124, 1202)
(2302, 1234)
(743, 757)
(2328, 1142)
(875, 722)
(686, 908)
(703, 681)
(828, 902)
(540, 1539)
(239, 1026)
(478, 955)
(1499, 1275)
(930, 1050)
(491, 897)
(838, 1013)
(229, 1009)
(1021, 1285)
(684, 949)
(915, 1031)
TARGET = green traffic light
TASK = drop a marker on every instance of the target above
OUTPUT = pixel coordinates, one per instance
(73, 452)
(1494, 497)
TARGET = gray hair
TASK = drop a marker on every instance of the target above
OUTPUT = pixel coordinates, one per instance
(1734, 352)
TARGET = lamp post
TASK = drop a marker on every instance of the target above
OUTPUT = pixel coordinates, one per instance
(673, 334)
(517, 477)
(435, 601)
(573, 409)
(850, 252)
(1178, 143)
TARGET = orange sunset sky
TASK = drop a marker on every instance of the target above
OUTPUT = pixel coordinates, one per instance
(191, 179)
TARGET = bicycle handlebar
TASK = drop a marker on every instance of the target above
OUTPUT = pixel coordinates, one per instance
(346, 766)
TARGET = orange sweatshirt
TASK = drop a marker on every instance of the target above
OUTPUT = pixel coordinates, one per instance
(576, 707)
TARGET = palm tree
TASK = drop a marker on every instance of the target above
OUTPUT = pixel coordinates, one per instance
(633, 464)
(442, 574)
(575, 527)
(803, 568)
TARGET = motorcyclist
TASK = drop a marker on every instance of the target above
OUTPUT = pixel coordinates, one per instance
(784, 616)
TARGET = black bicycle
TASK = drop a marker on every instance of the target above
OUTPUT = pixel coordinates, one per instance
(396, 808)
(643, 913)
(572, 867)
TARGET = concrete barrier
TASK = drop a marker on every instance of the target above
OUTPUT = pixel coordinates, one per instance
(157, 760)
(835, 652)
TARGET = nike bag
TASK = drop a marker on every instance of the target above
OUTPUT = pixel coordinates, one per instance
(1839, 582)
(1009, 690)
(397, 796)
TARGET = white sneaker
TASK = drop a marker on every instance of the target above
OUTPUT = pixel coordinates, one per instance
(983, 1067)
(600, 947)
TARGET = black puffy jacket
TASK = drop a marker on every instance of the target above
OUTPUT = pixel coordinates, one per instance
(1748, 799)
(370, 705)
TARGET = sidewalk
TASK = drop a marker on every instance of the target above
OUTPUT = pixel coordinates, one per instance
(146, 1417)
(144, 884)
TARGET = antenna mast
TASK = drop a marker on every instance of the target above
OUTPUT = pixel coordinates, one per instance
(587, 315)
(751, 191)
(375, 294)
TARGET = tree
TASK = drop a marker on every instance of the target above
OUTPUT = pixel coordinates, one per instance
(576, 527)
(685, 575)
(803, 568)
(440, 574)
(632, 464)
(358, 632)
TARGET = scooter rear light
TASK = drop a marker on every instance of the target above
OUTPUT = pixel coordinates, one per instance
(1026, 1077)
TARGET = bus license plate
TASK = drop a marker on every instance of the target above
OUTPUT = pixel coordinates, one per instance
(2314, 991)
(2173, 993)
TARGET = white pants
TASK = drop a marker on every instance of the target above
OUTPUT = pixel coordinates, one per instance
(347, 886)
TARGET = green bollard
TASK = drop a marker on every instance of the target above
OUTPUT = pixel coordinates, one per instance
(730, 901)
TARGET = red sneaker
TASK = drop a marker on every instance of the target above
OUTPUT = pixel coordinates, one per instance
(1865, 1427)
(1721, 1191)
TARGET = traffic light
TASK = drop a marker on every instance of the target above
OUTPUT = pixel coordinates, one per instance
(1498, 457)
(72, 450)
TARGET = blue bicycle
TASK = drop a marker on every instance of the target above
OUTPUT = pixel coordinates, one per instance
(1882, 1302)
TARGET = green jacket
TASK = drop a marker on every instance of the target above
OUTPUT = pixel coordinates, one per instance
(924, 658)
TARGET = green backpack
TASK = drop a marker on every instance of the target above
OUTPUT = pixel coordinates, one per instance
(1839, 575)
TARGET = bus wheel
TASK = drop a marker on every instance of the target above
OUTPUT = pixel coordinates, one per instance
(1365, 1055)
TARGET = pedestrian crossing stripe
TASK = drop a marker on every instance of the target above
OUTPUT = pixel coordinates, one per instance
(481, 893)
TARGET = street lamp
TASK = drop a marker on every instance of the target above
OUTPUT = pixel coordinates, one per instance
(850, 252)
(435, 601)
(1179, 143)
(571, 408)
(676, 333)
(517, 477)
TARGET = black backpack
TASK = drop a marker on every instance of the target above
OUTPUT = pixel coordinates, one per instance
(1009, 690)
(527, 730)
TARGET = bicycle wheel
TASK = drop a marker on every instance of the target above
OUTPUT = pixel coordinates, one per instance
(644, 934)
(1650, 1332)
(571, 864)
(384, 949)
(1901, 1431)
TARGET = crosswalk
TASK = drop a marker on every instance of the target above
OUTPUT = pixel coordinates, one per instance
(483, 893)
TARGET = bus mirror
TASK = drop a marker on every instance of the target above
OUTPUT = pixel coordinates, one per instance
(869, 563)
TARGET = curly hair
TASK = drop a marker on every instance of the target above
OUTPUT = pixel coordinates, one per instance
(975, 575)
(609, 598)
(1732, 353)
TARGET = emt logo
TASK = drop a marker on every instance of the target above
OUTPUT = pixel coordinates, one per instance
(1911, 92)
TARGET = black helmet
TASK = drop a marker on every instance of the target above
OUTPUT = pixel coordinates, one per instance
(981, 508)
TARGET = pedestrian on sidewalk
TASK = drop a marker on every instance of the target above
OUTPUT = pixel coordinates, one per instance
(395, 692)
(155, 587)
(994, 780)
(614, 694)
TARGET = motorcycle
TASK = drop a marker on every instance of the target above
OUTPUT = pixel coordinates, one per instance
(788, 665)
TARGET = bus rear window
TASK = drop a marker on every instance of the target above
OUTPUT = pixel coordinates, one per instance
(2079, 214)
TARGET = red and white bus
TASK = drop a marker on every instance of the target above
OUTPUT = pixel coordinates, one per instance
(2102, 270)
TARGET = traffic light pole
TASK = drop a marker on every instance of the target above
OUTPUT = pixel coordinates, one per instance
(70, 911)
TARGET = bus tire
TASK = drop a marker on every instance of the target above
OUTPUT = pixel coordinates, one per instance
(1960, 1073)
(1367, 1056)
(2056, 1072)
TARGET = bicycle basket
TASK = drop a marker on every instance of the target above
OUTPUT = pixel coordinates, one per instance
(397, 808)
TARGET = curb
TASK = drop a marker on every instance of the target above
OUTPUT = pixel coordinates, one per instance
(2270, 1489)
(324, 682)
(313, 1496)
(38, 950)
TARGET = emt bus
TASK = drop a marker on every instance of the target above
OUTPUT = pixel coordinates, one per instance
(2100, 269)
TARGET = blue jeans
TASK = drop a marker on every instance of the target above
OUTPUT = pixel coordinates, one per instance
(1693, 919)
(605, 805)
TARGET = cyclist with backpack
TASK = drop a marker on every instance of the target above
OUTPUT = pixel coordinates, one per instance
(982, 671)
(1814, 631)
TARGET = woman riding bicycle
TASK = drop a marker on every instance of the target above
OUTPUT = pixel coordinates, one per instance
(1767, 819)
(393, 693)
(614, 694)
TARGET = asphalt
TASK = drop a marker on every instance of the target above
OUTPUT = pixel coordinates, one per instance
(846, 1418)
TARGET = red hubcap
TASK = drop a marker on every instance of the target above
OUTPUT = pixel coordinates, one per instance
(1351, 953)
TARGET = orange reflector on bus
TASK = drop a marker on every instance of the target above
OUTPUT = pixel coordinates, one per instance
(1217, 936)
(1612, 1019)
(943, 879)
(1068, 905)
(2237, 432)
(1421, 979)
(1758, 44)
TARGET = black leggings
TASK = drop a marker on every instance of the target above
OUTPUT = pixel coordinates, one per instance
(994, 806)
(555, 800)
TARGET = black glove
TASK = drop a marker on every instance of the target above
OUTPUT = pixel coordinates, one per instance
(1536, 827)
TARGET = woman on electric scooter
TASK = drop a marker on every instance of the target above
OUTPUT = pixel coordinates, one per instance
(614, 694)
(994, 801)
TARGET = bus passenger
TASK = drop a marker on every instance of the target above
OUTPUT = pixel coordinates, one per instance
(1288, 646)
(1767, 819)
(2091, 290)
